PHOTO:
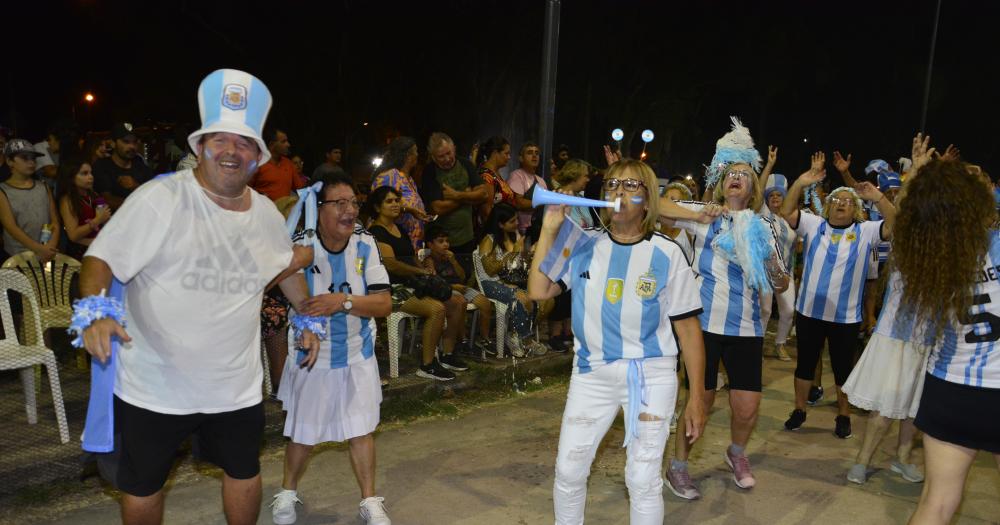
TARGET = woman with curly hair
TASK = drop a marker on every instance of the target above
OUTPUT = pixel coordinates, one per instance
(948, 220)
(397, 164)
(828, 309)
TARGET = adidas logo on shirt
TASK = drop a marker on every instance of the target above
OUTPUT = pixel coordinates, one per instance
(225, 271)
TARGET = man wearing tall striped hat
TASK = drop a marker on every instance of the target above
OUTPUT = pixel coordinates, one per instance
(195, 250)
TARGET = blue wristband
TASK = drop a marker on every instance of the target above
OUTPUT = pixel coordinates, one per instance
(90, 309)
(315, 324)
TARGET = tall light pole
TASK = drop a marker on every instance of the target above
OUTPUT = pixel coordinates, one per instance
(930, 68)
(547, 101)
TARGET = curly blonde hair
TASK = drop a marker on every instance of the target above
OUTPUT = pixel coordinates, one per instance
(941, 238)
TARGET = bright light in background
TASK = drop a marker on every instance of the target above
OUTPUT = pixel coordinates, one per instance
(688, 177)
(377, 161)
(89, 97)
(364, 123)
(806, 141)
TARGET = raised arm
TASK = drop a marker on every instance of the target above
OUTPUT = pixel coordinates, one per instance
(869, 192)
(843, 166)
(539, 285)
(816, 173)
(772, 158)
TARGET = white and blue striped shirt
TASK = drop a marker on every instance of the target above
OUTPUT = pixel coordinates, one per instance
(895, 324)
(969, 353)
(624, 295)
(730, 307)
(837, 264)
(784, 234)
(355, 270)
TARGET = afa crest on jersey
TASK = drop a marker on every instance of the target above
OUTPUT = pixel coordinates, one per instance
(613, 290)
(359, 265)
(645, 287)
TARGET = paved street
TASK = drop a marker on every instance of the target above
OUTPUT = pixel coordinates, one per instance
(493, 464)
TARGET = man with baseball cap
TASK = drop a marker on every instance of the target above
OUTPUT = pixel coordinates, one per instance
(117, 176)
(196, 250)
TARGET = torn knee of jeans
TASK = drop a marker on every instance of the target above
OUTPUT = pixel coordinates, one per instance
(646, 416)
(581, 420)
(579, 453)
(649, 442)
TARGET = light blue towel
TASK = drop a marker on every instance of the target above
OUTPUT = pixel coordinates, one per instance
(99, 429)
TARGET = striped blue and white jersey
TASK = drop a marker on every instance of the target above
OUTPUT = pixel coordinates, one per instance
(356, 270)
(784, 234)
(895, 324)
(837, 264)
(624, 295)
(730, 307)
(883, 248)
(969, 353)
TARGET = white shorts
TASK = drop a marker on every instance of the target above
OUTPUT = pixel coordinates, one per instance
(330, 404)
(888, 378)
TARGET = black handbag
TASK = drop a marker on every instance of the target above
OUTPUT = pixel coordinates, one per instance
(431, 286)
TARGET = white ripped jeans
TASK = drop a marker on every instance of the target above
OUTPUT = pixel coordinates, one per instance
(786, 312)
(592, 403)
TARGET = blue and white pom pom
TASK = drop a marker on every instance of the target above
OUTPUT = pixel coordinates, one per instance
(315, 324)
(811, 196)
(747, 243)
(90, 309)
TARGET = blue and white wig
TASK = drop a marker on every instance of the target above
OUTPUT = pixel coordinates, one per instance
(735, 147)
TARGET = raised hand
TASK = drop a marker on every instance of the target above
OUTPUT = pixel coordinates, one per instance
(840, 163)
(868, 191)
(772, 156)
(610, 156)
(921, 153)
(817, 161)
(812, 176)
(951, 153)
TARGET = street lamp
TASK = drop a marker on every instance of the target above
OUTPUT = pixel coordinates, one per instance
(88, 98)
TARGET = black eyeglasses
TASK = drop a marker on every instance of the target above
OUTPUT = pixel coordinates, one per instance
(341, 204)
(628, 184)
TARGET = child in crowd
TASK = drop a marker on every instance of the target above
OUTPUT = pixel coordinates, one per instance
(442, 260)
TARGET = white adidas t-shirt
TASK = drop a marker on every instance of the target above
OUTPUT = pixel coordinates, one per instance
(195, 276)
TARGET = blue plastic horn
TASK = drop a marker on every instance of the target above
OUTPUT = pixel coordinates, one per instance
(541, 197)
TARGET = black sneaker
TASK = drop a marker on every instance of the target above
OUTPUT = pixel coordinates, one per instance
(435, 371)
(843, 430)
(795, 419)
(815, 394)
(560, 346)
(453, 362)
(487, 346)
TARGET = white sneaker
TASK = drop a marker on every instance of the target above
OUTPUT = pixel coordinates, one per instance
(283, 507)
(373, 511)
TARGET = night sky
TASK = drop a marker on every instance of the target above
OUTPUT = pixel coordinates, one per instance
(844, 75)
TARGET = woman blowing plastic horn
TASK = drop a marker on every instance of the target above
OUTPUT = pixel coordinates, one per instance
(626, 281)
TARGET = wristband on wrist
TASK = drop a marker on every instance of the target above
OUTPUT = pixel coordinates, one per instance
(315, 324)
(90, 309)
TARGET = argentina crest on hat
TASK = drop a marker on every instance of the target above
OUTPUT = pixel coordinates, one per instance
(776, 182)
(233, 101)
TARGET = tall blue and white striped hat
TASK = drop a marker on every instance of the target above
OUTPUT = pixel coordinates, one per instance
(232, 101)
(776, 182)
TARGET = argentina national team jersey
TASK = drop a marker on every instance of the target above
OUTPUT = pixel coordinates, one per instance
(730, 306)
(356, 270)
(968, 353)
(896, 324)
(837, 264)
(624, 295)
(784, 234)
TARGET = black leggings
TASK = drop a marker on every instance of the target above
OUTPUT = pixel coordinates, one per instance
(842, 341)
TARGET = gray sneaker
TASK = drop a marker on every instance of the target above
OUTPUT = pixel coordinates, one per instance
(858, 474)
(679, 482)
(909, 471)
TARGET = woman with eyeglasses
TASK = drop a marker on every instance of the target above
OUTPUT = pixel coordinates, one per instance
(338, 398)
(730, 322)
(837, 248)
(384, 205)
(634, 302)
(397, 164)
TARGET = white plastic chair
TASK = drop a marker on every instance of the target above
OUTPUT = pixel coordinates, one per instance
(17, 356)
(498, 307)
(395, 344)
(52, 283)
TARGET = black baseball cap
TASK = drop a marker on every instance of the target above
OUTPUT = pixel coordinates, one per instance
(122, 130)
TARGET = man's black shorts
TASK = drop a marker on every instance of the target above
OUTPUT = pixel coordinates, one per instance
(146, 444)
